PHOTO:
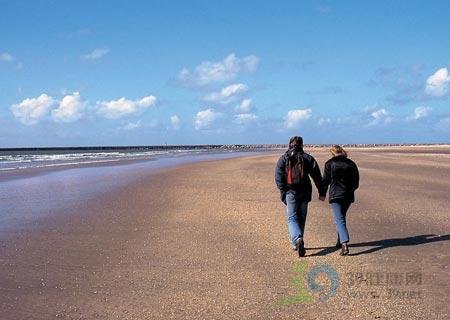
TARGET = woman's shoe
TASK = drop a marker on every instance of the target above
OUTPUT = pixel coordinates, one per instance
(344, 250)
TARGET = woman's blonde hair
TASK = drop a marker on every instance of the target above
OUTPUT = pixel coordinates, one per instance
(337, 150)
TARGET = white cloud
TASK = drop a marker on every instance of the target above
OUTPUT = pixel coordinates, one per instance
(380, 115)
(294, 117)
(438, 84)
(323, 121)
(96, 54)
(31, 110)
(227, 94)
(419, 113)
(70, 108)
(209, 72)
(244, 107)
(118, 108)
(132, 125)
(175, 122)
(245, 118)
(7, 57)
(205, 118)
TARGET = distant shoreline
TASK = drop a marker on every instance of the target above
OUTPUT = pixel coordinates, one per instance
(219, 147)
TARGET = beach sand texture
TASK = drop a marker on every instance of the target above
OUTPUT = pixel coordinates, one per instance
(209, 241)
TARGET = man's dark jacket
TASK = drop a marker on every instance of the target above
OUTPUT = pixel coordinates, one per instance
(303, 190)
(342, 175)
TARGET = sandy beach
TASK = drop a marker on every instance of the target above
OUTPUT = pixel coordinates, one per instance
(209, 241)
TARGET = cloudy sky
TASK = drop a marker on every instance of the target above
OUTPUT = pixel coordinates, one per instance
(213, 72)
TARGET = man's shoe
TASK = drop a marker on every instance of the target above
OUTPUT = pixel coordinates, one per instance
(300, 246)
(344, 250)
(297, 244)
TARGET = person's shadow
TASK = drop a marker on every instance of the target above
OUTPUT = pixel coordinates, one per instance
(384, 244)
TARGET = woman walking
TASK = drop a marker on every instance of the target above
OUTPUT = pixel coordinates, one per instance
(342, 176)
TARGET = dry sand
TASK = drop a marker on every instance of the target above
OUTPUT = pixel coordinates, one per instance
(209, 241)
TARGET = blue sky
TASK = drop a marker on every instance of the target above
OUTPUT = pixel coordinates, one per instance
(213, 72)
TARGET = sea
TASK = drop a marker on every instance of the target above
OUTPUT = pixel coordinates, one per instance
(25, 158)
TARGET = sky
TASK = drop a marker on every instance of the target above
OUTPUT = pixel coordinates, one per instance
(83, 73)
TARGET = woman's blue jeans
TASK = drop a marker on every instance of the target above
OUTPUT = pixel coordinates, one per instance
(340, 213)
(296, 211)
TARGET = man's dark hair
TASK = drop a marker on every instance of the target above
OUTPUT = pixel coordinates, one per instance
(296, 140)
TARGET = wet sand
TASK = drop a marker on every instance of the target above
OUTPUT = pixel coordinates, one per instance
(209, 241)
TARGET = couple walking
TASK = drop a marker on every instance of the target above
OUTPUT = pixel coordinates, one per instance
(292, 178)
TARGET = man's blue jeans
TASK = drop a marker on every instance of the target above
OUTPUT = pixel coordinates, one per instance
(340, 214)
(296, 211)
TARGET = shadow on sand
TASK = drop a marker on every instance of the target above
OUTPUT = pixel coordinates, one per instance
(384, 244)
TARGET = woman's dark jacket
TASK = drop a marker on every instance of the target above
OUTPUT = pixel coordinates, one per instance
(302, 190)
(342, 175)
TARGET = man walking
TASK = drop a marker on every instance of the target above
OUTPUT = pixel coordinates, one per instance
(292, 178)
